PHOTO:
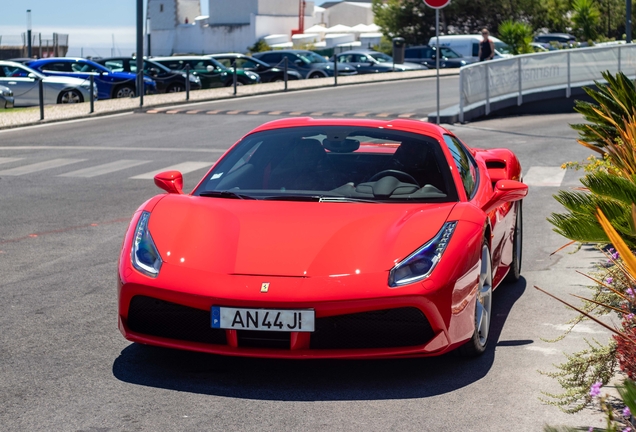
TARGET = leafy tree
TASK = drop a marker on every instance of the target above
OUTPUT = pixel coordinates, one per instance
(410, 19)
(586, 18)
(517, 35)
(259, 46)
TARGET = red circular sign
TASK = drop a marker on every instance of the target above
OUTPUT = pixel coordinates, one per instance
(437, 4)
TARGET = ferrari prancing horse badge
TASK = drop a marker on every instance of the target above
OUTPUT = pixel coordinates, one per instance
(264, 287)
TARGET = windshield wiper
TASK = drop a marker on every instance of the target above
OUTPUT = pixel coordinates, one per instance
(225, 194)
(346, 199)
(292, 198)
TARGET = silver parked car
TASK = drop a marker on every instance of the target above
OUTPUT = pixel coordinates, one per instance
(24, 82)
(6, 97)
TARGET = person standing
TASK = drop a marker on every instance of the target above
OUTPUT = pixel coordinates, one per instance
(486, 47)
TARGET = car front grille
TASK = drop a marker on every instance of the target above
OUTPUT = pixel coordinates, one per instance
(388, 328)
(154, 317)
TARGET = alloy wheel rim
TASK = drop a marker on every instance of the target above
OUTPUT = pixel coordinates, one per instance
(125, 92)
(70, 97)
(484, 297)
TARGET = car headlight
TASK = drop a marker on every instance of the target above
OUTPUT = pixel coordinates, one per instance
(252, 75)
(7, 93)
(421, 263)
(194, 79)
(144, 254)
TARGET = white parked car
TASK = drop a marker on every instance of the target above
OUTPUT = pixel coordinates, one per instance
(468, 45)
(24, 83)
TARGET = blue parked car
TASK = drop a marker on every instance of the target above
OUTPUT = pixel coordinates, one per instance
(109, 84)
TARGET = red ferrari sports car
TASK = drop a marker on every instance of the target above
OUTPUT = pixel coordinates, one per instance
(330, 238)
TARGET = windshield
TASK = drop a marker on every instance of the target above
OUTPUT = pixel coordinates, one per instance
(312, 57)
(333, 163)
(502, 48)
(382, 58)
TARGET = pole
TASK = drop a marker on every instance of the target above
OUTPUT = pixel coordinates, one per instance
(92, 90)
(335, 68)
(187, 82)
(437, 57)
(41, 88)
(628, 21)
(285, 71)
(148, 35)
(140, 51)
(29, 43)
(234, 77)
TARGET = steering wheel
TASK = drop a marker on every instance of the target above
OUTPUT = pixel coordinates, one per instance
(400, 175)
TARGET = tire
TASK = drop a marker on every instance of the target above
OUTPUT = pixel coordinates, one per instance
(477, 344)
(175, 88)
(315, 75)
(230, 83)
(70, 97)
(124, 91)
(517, 248)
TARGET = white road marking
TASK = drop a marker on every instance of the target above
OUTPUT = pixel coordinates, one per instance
(39, 166)
(544, 351)
(185, 167)
(579, 328)
(8, 160)
(104, 169)
(544, 176)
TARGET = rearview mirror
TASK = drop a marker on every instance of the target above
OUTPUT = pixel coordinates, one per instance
(170, 181)
(209, 68)
(505, 191)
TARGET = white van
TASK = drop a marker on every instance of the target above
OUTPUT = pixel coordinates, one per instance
(468, 45)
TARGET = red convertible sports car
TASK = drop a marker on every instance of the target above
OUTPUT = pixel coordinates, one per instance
(331, 238)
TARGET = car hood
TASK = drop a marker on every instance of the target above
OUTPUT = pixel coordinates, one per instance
(406, 66)
(297, 239)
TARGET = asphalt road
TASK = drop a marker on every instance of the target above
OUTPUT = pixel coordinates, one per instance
(64, 365)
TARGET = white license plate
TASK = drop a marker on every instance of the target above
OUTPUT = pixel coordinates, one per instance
(263, 319)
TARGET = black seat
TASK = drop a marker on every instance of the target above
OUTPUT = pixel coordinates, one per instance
(417, 160)
(304, 167)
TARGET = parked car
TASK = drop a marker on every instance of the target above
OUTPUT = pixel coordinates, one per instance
(24, 83)
(561, 39)
(425, 54)
(307, 63)
(369, 61)
(167, 81)
(327, 238)
(468, 45)
(210, 71)
(6, 97)
(265, 71)
(109, 84)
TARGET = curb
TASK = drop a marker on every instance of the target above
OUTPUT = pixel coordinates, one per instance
(255, 90)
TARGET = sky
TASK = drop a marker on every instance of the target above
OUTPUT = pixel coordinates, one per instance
(95, 27)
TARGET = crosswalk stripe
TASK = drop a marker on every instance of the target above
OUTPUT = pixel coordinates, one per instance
(8, 160)
(185, 167)
(39, 166)
(544, 176)
(104, 169)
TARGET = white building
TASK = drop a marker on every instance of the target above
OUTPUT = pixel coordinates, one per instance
(176, 26)
(349, 13)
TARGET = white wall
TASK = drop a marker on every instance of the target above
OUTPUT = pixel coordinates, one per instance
(349, 14)
(232, 11)
(189, 9)
(163, 14)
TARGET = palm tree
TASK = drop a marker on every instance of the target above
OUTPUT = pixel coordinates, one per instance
(586, 17)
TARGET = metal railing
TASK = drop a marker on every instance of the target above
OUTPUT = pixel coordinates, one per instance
(485, 82)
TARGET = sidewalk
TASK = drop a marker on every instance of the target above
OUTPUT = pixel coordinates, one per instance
(55, 113)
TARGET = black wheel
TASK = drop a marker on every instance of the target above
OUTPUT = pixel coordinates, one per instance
(517, 248)
(315, 75)
(175, 88)
(70, 97)
(483, 308)
(125, 91)
(400, 175)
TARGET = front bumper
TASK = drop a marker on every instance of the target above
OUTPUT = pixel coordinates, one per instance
(405, 322)
(7, 102)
